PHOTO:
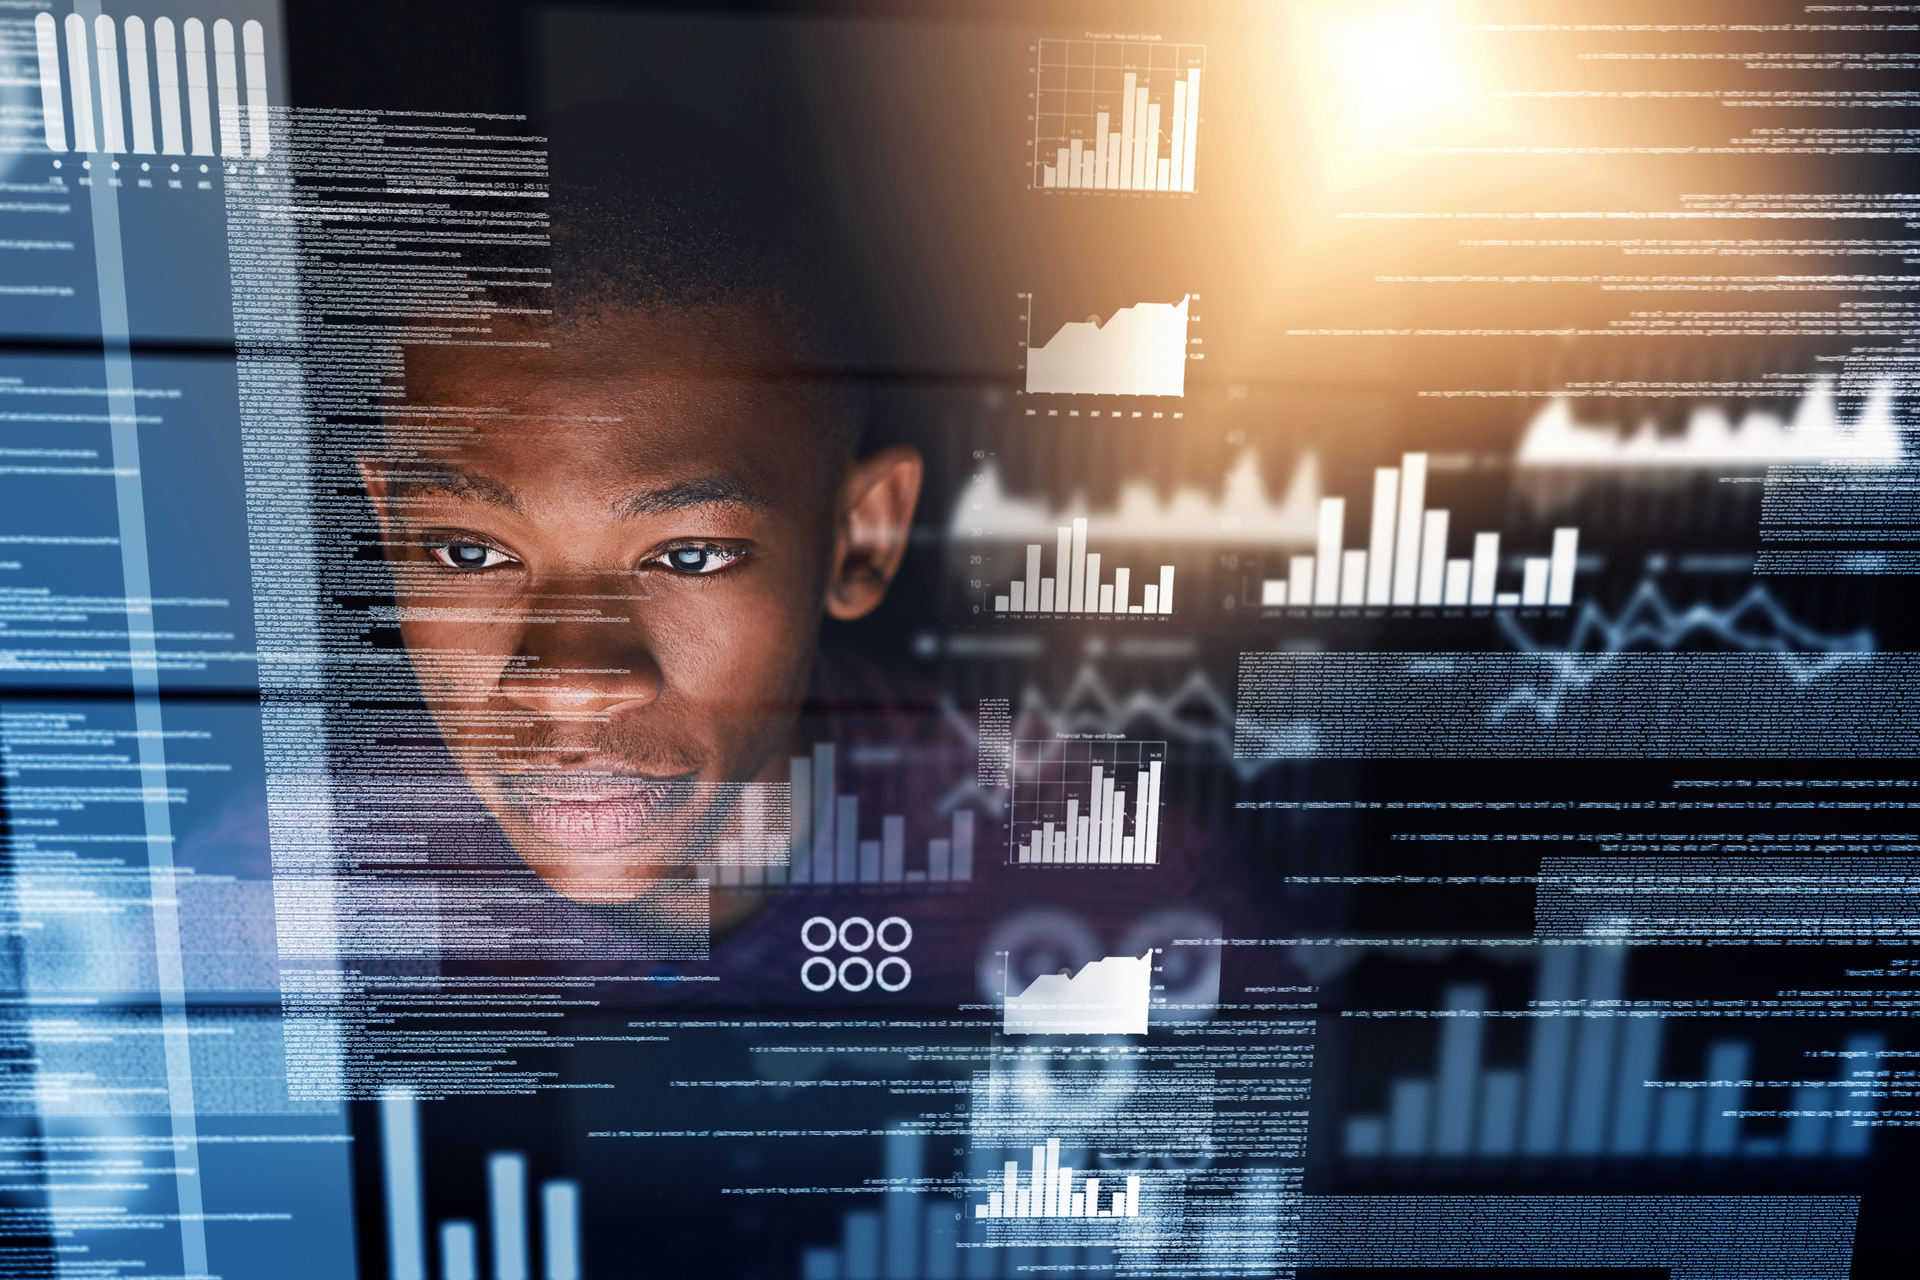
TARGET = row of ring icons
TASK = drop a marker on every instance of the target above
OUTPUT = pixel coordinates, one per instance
(856, 972)
(842, 934)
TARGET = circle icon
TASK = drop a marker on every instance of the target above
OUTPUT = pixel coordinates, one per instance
(846, 966)
(846, 933)
(880, 974)
(807, 969)
(856, 973)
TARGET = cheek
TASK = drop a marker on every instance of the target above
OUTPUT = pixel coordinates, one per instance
(749, 649)
(456, 653)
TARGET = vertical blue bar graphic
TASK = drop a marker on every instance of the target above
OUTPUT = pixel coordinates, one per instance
(1410, 1121)
(459, 1251)
(893, 848)
(1860, 1068)
(983, 1169)
(963, 844)
(860, 1251)
(1547, 1059)
(507, 1204)
(1594, 1052)
(1500, 1113)
(905, 1161)
(1366, 1136)
(823, 813)
(846, 840)
(1633, 1104)
(943, 1236)
(800, 839)
(820, 1264)
(1808, 1132)
(1726, 1060)
(560, 1228)
(1459, 1074)
(406, 1214)
(1678, 1122)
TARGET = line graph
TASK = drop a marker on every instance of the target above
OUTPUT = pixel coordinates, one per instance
(1139, 350)
(1647, 619)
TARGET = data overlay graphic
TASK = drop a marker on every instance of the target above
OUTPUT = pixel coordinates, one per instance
(687, 652)
(1107, 998)
(1116, 115)
(1405, 561)
(1137, 351)
(1086, 801)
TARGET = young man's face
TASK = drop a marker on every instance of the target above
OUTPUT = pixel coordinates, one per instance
(611, 558)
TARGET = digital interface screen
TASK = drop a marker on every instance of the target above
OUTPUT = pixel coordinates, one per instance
(861, 640)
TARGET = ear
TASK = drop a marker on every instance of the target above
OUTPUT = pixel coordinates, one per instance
(876, 517)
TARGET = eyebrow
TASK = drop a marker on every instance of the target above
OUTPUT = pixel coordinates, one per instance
(705, 491)
(683, 495)
(418, 480)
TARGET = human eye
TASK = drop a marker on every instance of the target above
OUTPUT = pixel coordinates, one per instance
(698, 559)
(468, 557)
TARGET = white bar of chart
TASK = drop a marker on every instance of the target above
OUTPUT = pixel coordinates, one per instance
(126, 96)
(1116, 115)
(826, 845)
(509, 1232)
(1140, 350)
(406, 1195)
(1076, 584)
(1085, 802)
(1406, 562)
(1050, 1190)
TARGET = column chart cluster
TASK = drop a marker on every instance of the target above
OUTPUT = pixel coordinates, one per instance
(1116, 115)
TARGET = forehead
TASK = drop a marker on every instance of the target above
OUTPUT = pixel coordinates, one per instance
(629, 399)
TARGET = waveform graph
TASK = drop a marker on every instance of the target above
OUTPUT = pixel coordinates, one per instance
(1108, 997)
(1817, 431)
(1139, 350)
(1014, 554)
(1085, 802)
(1116, 115)
(1242, 511)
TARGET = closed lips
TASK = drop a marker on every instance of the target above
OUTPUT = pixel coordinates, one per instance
(590, 811)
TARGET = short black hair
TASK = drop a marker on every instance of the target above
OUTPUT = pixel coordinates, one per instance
(657, 211)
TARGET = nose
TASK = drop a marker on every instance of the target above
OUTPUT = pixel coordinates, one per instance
(580, 656)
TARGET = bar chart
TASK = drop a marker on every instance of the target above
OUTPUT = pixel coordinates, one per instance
(1075, 585)
(1085, 802)
(1591, 1086)
(1116, 115)
(1405, 561)
(912, 1236)
(94, 56)
(918, 1236)
(510, 1230)
(827, 848)
(1052, 1190)
(1140, 350)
